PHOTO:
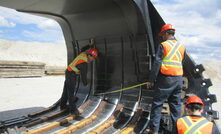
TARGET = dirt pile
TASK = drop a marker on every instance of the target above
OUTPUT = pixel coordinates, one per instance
(56, 55)
(213, 70)
(50, 54)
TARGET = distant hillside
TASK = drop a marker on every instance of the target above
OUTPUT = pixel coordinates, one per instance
(213, 70)
(56, 55)
(50, 54)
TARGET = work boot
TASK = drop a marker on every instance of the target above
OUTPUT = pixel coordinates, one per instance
(152, 132)
(149, 131)
(76, 113)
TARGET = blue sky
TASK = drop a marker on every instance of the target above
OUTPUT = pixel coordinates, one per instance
(17, 26)
(198, 25)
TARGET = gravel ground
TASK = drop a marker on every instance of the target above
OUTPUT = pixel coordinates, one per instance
(19, 96)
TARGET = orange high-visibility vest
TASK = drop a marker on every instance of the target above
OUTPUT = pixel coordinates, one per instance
(173, 57)
(81, 58)
(194, 125)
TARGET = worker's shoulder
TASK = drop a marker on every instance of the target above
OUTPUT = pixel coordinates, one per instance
(82, 54)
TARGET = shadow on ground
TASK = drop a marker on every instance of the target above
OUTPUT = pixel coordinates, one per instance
(5, 115)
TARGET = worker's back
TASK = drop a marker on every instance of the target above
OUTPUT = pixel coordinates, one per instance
(195, 124)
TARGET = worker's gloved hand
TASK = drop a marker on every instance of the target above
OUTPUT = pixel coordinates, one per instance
(87, 86)
(78, 72)
(91, 42)
(150, 84)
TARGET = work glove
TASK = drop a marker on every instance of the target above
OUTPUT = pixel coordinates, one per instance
(87, 86)
(91, 42)
(150, 84)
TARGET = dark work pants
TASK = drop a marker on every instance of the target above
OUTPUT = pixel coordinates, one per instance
(166, 88)
(68, 91)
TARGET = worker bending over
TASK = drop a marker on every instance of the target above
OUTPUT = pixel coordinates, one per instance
(194, 122)
(166, 77)
(77, 67)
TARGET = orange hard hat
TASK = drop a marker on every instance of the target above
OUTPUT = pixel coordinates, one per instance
(166, 27)
(194, 99)
(93, 52)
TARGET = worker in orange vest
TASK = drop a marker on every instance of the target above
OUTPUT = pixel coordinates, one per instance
(166, 78)
(77, 67)
(194, 122)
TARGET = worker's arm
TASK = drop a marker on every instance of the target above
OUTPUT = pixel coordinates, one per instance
(184, 57)
(91, 43)
(215, 129)
(156, 65)
(83, 70)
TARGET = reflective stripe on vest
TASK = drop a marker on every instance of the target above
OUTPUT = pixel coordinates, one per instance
(81, 58)
(173, 56)
(194, 127)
